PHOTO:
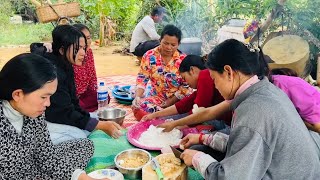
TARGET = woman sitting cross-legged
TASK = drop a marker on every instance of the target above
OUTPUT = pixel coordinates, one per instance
(67, 119)
(268, 137)
(27, 82)
(160, 66)
(85, 76)
(304, 96)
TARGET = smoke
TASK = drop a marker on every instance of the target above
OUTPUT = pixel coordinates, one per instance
(196, 20)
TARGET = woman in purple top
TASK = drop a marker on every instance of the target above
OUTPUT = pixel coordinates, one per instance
(305, 97)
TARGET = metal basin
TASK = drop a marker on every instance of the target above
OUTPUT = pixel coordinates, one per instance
(112, 114)
(132, 173)
(191, 46)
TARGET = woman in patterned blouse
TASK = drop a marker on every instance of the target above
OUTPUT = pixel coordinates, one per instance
(85, 76)
(27, 81)
(161, 66)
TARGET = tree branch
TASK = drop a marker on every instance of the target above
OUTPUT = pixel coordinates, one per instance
(274, 14)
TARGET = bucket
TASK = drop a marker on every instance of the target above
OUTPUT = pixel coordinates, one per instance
(288, 51)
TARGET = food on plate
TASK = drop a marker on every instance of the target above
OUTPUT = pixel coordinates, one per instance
(155, 137)
(171, 167)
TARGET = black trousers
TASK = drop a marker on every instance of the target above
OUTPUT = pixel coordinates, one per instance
(145, 46)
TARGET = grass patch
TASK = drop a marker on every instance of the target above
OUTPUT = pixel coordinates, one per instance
(19, 34)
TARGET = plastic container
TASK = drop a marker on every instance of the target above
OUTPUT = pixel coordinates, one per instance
(102, 95)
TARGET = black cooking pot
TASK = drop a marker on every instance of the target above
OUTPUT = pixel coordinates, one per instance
(191, 46)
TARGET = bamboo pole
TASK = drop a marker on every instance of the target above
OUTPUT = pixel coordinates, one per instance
(36, 3)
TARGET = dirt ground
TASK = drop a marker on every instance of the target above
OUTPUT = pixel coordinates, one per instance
(107, 63)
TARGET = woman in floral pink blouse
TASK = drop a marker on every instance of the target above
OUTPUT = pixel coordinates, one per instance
(161, 66)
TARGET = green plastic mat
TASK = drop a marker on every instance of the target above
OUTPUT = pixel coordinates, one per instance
(106, 148)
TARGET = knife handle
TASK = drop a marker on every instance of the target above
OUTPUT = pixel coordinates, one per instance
(159, 173)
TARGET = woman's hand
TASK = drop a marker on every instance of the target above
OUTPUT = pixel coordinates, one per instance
(111, 128)
(165, 104)
(189, 140)
(187, 156)
(148, 117)
(136, 102)
(169, 102)
(168, 126)
(48, 47)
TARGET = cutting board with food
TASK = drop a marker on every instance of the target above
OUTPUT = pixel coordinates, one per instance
(171, 167)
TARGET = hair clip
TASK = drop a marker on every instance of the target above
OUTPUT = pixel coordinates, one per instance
(252, 48)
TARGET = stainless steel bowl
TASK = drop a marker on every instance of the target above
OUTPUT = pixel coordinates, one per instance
(131, 173)
(112, 114)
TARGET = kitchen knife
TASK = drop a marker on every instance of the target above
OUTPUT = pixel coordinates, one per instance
(155, 166)
(176, 152)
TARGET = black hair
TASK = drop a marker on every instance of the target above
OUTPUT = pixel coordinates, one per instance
(240, 57)
(191, 60)
(28, 72)
(81, 27)
(284, 71)
(171, 30)
(63, 36)
(157, 11)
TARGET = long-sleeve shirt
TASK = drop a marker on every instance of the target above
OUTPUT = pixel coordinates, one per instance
(85, 78)
(268, 140)
(145, 30)
(206, 95)
(305, 97)
(64, 108)
(28, 153)
(166, 81)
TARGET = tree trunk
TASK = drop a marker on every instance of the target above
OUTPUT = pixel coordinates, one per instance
(311, 38)
(101, 33)
(274, 14)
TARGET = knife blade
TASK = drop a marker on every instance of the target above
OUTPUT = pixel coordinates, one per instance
(155, 166)
(176, 152)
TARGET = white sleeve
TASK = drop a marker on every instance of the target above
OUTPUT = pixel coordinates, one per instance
(150, 29)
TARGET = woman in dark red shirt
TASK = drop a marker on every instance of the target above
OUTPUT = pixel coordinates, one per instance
(193, 71)
(85, 76)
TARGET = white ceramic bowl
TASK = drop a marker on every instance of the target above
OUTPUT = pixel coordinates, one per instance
(106, 173)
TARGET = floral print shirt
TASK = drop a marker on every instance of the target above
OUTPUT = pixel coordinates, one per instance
(165, 78)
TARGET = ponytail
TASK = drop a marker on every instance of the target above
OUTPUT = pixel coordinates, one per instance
(264, 67)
